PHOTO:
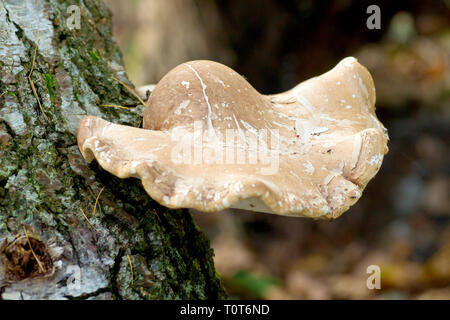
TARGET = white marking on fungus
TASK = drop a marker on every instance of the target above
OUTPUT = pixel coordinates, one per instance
(182, 106)
(357, 145)
(241, 133)
(375, 160)
(325, 209)
(185, 84)
(210, 126)
(363, 88)
(305, 102)
(282, 125)
(133, 166)
(309, 168)
(319, 130)
(249, 127)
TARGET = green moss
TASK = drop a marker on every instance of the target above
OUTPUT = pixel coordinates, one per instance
(94, 56)
(50, 84)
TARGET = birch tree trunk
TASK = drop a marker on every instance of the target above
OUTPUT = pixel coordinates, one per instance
(52, 74)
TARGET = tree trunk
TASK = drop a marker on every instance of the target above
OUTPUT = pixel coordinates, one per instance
(54, 247)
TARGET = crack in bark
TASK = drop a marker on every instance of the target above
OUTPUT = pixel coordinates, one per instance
(115, 274)
(89, 295)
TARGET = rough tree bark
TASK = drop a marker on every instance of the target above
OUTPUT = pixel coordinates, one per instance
(50, 77)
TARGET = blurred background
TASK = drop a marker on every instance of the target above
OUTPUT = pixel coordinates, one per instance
(402, 221)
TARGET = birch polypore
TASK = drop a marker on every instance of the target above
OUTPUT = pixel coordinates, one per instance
(210, 141)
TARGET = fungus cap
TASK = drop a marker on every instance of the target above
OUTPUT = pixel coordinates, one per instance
(210, 141)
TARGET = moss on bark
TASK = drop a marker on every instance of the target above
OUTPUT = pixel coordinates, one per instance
(44, 181)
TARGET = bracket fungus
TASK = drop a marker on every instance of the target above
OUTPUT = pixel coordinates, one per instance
(205, 142)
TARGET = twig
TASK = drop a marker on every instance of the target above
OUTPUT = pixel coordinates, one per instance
(114, 106)
(37, 98)
(139, 124)
(84, 215)
(34, 55)
(31, 81)
(32, 251)
(96, 201)
(131, 91)
(131, 269)
(134, 94)
(90, 191)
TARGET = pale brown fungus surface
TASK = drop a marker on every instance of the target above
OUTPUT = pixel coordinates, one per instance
(309, 151)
